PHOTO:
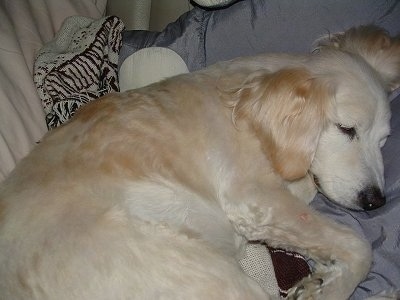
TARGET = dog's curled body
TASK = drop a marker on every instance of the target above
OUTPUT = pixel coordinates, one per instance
(149, 194)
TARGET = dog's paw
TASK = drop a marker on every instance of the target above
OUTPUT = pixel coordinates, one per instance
(309, 288)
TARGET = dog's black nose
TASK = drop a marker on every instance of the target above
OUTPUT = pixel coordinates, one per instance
(371, 198)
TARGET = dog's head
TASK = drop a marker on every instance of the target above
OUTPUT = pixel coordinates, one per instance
(328, 117)
(348, 165)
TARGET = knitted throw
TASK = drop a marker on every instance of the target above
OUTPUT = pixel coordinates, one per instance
(79, 65)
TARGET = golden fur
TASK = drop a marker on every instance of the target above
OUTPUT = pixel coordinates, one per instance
(150, 194)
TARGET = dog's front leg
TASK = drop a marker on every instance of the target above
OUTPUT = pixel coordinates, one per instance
(260, 212)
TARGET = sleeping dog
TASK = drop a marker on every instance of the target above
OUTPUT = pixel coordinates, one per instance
(151, 193)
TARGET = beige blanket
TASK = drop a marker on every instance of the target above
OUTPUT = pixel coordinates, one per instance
(25, 26)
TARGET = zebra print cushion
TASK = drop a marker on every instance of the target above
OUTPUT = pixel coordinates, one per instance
(79, 65)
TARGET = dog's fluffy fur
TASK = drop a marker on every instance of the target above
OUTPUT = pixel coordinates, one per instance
(149, 194)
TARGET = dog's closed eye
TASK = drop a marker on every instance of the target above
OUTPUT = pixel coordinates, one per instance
(347, 130)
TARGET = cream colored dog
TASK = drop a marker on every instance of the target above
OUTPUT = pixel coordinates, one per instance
(149, 194)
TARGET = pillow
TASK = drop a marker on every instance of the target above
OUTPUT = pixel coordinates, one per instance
(205, 36)
(213, 3)
(149, 65)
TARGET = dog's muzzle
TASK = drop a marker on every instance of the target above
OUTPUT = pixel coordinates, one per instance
(371, 198)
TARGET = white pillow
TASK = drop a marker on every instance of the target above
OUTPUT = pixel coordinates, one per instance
(149, 65)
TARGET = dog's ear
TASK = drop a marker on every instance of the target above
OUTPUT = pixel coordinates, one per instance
(287, 110)
(374, 44)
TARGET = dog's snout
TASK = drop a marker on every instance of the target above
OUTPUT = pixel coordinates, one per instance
(371, 198)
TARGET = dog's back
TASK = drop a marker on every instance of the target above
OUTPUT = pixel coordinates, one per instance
(106, 207)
